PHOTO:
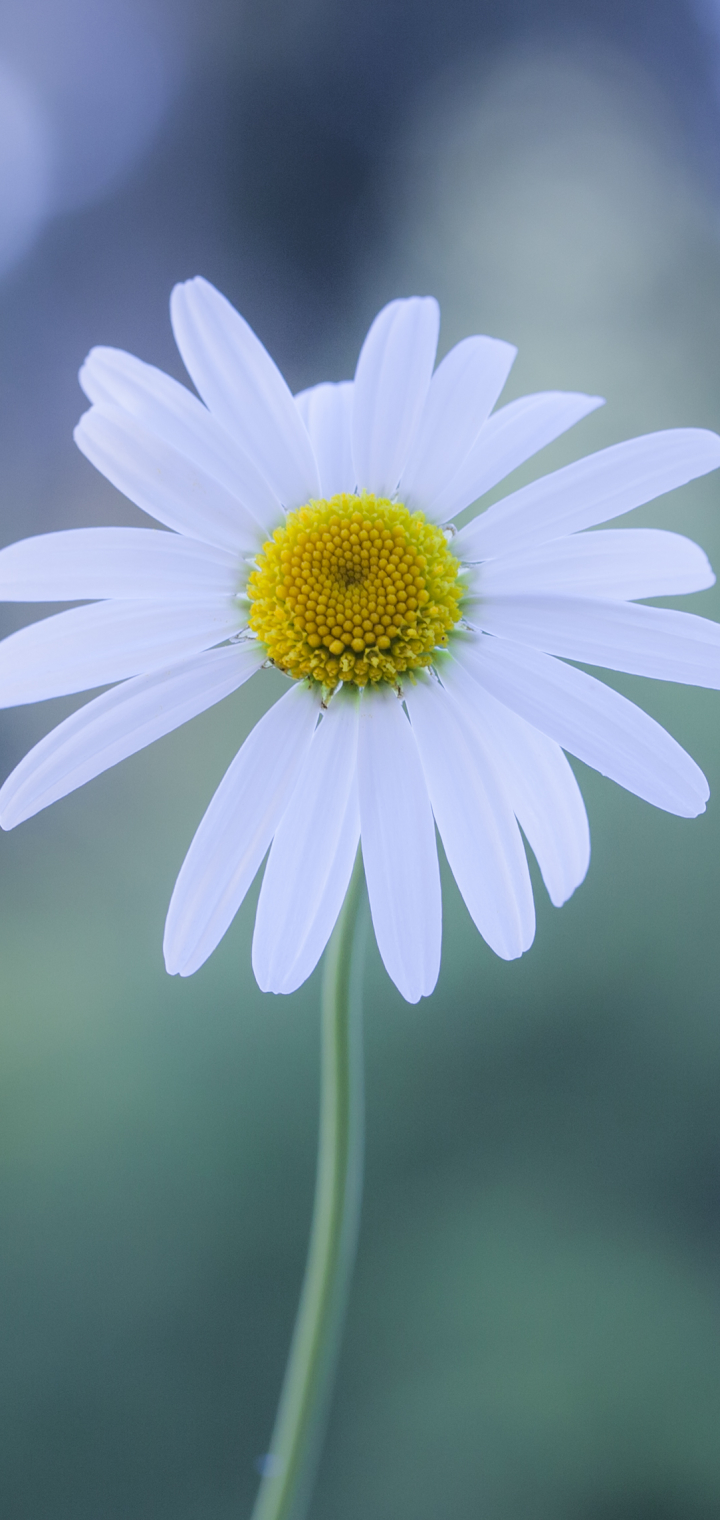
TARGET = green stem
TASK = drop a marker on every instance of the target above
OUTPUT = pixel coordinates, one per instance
(304, 1402)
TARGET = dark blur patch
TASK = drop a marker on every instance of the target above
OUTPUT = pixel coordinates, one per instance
(301, 171)
(295, 153)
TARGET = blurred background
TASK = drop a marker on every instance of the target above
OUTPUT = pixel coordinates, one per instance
(535, 1323)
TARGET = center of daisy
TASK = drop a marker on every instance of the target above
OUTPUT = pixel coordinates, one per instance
(354, 589)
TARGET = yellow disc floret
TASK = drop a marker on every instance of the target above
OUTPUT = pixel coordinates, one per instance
(354, 589)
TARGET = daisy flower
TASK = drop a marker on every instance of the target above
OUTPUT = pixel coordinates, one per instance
(428, 683)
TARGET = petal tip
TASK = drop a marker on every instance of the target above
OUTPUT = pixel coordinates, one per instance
(171, 957)
(84, 375)
(409, 996)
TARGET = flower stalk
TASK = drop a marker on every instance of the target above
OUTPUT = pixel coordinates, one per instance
(289, 1468)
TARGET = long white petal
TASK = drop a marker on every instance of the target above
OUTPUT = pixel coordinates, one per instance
(475, 819)
(119, 723)
(646, 641)
(590, 720)
(312, 855)
(391, 384)
(398, 843)
(462, 393)
(590, 491)
(540, 785)
(509, 437)
(244, 389)
(106, 642)
(112, 378)
(88, 564)
(163, 482)
(236, 831)
(326, 411)
(627, 564)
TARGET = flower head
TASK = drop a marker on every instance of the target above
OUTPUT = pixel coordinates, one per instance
(427, 667)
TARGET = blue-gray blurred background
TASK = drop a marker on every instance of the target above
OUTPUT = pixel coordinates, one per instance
(535, 1324)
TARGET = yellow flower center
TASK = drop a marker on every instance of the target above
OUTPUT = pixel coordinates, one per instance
(354, 589)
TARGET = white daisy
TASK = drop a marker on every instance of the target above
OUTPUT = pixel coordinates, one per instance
(313, 532)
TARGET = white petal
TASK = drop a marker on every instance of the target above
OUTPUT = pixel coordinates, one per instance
(646, 641)
(623, 563)
(462, 393)
(163, 482)
(111, 378)
(592, 490)
(106, 642)
(236, 831)
(84, 564)
(398, 844)
(590, 720)
(476, 822)
(509, 437)
(244, 389)
(326, 411)
(119, 723)
(312, 855)
(391, 384)
(540, 785)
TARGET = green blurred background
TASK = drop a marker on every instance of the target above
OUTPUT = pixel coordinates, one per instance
(535, 1323)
